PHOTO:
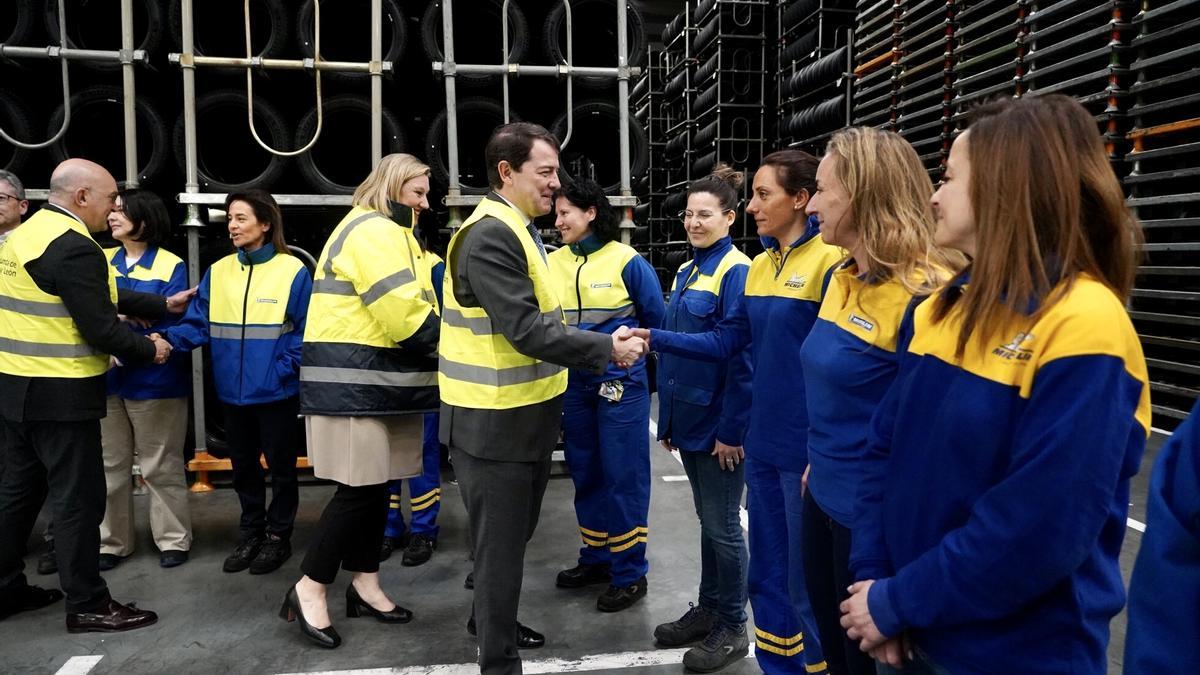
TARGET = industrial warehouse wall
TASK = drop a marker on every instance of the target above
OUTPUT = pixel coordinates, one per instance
(917, 67)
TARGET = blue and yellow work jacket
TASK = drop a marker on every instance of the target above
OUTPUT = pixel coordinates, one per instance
(784, 288)
(849, 360)
(603, 286)
(701, 402)
(252, 308)
(1164, 593)
(993, 494)
(160, 272)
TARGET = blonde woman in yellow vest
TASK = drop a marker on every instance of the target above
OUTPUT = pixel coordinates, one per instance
(369, 373)
(251, 309)
(604, 285)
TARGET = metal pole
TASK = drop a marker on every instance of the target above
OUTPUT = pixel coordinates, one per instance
(130, 94)
(627, 225)
(192, 222)
(376, 82)
(504, 56)
(451, 113)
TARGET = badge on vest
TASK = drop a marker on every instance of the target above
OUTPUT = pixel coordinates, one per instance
(861, 322)
(268, 301)
(606, 284)
(797, 281)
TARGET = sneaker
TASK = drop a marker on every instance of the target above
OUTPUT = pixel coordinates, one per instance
(47, 562)
(721, 647)
(584, 575)
(390, 544)
(695, 623)
(274, 552)
(419, 550)
(617, 598)
(244, 554)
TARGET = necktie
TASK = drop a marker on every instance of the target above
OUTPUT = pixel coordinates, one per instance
(537, 239)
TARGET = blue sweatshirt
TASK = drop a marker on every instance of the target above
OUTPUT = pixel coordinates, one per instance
(784, 288)
(1164, 594)
(252, 308)
(603, 286)
(849, 361)
(162, 273)
(994, 492)
(701, 402)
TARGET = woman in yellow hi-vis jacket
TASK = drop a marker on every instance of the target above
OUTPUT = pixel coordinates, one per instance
(251, 308)
(369, 374)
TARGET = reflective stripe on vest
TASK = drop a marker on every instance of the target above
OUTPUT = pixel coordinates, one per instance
(478, 367)
(596, 280)
(38, 338)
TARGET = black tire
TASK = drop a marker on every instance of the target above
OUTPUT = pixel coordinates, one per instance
(705, 36)
(477, 117)
(704, 164)
(215, 157)
(90, 26)
(486, 25)
(17, 21)
(96, 132)
(823, 70)
(395, 33)
(797, 11)
(705, 136)
(798, 49)
(601, 143)
(599, 17)
(16, 123)
(219, 28)
(337, 176)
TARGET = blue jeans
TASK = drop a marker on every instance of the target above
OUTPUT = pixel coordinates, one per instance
(723, 556)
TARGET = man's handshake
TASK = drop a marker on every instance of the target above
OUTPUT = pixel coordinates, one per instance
(162, 348)
(627, 348)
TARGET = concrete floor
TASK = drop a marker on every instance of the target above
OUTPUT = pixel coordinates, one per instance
(216, 622)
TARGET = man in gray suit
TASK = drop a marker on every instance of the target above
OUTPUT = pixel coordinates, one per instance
(497, 294)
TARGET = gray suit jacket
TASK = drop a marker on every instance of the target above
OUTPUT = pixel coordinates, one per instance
(490, 271)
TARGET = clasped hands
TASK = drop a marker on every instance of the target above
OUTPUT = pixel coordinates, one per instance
(629, 345)
(859, 625)
(162, 348)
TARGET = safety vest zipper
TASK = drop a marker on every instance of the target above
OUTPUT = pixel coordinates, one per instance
(579, 293)
(242, 343)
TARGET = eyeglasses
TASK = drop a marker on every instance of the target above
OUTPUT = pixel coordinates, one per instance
(4, 198)
(700, 216)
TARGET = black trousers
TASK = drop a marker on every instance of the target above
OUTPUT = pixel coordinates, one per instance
(826, 549)
(349, 533)
(503, 500)
(268, 429)
(62, 459)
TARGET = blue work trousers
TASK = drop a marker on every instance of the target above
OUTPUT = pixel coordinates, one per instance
(785, 632)
(608, 454)
(723, 556)
(425, 491)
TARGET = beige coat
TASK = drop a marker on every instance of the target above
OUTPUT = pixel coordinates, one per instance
(365, 450)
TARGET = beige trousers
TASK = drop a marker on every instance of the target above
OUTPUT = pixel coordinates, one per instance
(155, 429)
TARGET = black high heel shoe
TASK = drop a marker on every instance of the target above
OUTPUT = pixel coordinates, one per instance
(322, 637)
(356, 607)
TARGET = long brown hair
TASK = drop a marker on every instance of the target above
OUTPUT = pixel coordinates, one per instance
(1047, 208)
(889, 203)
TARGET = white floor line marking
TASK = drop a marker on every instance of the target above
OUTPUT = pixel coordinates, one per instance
(1164, 432)
(656, 657)
(742, 515)
(79, 665)
(675, 479)
(1135, 524)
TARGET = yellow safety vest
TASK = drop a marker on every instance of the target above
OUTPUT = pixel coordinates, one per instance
(478, 367)
(592, 287)
(249, 302)
(38, 338)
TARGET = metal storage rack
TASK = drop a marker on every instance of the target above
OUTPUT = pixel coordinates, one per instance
(647, 97)
(876, 62)
(668, 247)
(814, 85)
(1165, 163)
(926, 79)
(988, 51)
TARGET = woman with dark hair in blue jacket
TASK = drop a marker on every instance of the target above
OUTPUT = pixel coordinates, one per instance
(994, 489)
(251, 308)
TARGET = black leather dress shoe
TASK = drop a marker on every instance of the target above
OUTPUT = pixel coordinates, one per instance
(527, 638)
(584, 575)
(111, 618)
(356, 607)
(109, 561)
(28, 599)
(322, 637)
(617, 598)
(172, 558)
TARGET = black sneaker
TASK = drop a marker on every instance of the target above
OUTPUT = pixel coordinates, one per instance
(419, 550)
(721, 647)
(244, 554)
(695, 623)
(617, 598)
(389, 546)
(584, 575)
(48, 562)
(274, 552)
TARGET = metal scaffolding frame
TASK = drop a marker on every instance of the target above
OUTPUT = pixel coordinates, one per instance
(449, 70)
